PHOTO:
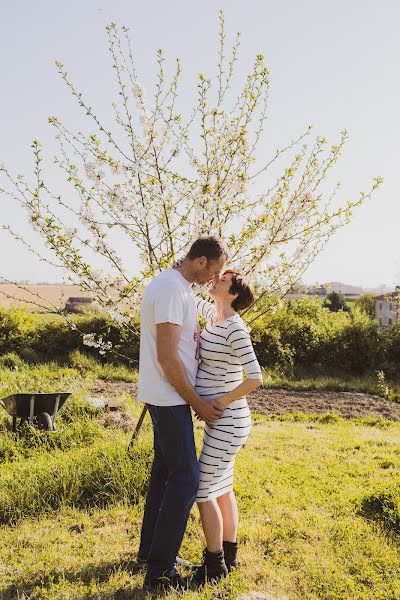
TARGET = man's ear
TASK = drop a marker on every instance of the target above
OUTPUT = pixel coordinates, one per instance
(202, 261)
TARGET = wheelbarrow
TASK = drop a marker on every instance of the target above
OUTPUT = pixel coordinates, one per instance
(38, 409)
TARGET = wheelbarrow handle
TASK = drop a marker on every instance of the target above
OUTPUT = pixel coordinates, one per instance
(138, 426)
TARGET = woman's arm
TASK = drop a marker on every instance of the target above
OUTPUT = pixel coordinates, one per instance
(240, 342)
(204, 309)
(244, 388)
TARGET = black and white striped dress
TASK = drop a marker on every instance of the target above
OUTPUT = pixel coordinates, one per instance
(225, 351)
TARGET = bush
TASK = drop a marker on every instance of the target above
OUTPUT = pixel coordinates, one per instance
(335, 302)
(55, 340)
(358, 348)
(16, 328)
(270, 350)
(366, 303)
(11, 361)
(29, 356)
(391, 343)
(58, 340)
(304, 335)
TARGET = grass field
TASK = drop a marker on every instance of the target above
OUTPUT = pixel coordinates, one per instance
(319, 503)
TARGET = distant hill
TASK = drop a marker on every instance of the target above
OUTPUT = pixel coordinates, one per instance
(343, 288)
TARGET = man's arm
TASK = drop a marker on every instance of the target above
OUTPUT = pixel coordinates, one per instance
(167, 338)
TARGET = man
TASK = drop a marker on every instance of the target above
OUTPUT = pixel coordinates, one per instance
(169, 353)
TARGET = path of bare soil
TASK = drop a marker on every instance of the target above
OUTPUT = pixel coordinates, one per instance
(279, 401)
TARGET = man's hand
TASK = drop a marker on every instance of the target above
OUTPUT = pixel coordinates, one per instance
(209, 410)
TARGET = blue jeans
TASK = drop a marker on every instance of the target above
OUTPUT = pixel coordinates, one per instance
(173, 485)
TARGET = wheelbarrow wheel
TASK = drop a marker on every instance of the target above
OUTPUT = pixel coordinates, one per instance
(44, 422)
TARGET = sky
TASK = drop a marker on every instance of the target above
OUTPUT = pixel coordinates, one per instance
(332, 64)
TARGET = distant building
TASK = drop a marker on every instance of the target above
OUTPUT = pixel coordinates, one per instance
(387, 308)
(73, 304)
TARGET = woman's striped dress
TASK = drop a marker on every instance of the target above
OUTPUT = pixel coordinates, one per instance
(225, 351)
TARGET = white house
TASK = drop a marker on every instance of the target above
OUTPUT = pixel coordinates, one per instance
(387, 308)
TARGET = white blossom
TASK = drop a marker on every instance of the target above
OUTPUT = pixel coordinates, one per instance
(90, 170)
(118, 316)
(117, 168)
(89, 339)
(138, 91)
(93, 172)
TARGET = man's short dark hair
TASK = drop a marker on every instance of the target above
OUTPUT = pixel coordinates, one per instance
(210, 247)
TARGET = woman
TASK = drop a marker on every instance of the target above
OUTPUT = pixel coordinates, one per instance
(225, 351)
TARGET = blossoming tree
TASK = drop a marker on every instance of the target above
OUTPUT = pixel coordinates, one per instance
(161, 179)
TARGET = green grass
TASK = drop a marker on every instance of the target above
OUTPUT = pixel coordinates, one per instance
(48, 317)
(46, 378)
(317, 498)
(79, 373)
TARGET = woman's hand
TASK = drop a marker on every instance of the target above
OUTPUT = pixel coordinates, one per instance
(223, 400)
(178, 263)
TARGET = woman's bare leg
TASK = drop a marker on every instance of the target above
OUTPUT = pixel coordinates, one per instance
(211, 520)
(229, 511)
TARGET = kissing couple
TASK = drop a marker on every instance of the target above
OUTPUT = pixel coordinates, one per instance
(182, 370)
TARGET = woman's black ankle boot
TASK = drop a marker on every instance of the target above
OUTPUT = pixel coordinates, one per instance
(212, 569)
(230, 554)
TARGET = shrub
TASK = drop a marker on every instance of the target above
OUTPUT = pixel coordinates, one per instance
(270, 350)
(335, 302)
(391, 342)
(11, 360)
(357, 347)
(29, 356)
(301, 336)
(57, 339)
(304, 335)
(16, 327)
(366, 303)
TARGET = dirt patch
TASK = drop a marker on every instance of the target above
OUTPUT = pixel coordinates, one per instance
(118, 420)
(279, 401)
(110, 389)
(347, 404)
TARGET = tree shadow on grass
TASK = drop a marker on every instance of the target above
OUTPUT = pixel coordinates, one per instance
(100, 573)
(383, 507)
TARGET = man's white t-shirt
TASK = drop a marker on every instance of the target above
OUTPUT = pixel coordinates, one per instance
(168, 298)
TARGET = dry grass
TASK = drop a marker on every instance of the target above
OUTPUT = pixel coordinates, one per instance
(46, 295)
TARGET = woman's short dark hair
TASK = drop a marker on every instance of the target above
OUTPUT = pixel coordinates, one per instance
(210, 247)
(244, 289)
